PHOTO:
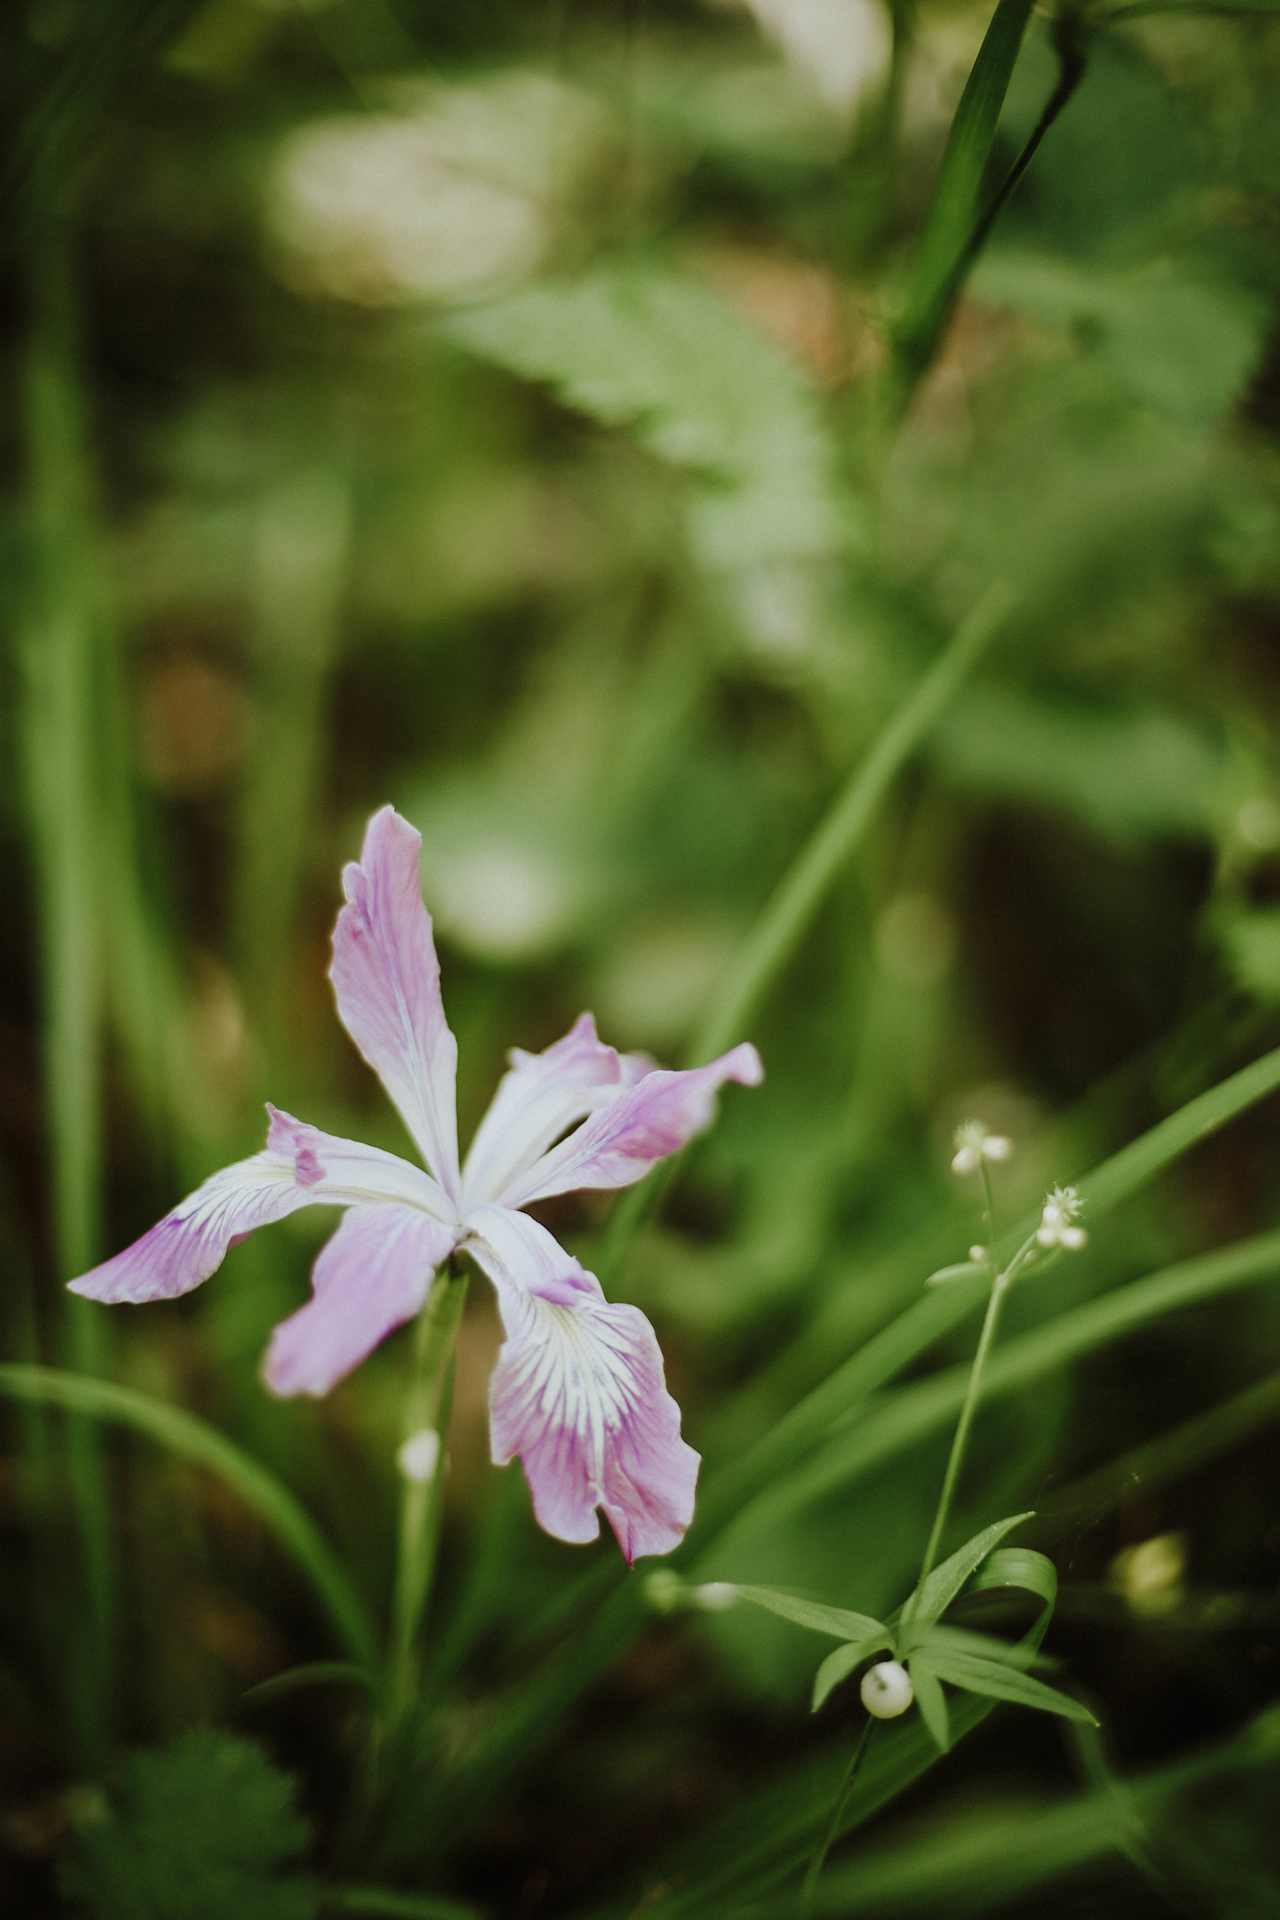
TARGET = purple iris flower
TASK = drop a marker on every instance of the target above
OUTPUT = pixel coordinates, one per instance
(578, 1389)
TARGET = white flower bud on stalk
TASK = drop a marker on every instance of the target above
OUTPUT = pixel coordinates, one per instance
(887, 1690)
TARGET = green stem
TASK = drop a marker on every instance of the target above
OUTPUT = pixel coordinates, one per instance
(838, 1807)
(960, 1439)
(968, 1408)
(426, 1410)
(62, 655)
(794, 905)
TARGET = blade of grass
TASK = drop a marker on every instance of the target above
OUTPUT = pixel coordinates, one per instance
(192, 1439)
(61, 645)
(915, 1412)
(791, 910)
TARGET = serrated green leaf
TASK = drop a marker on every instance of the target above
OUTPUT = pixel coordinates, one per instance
(837, 1621)
(670, 361)
(839, 1665)
(1000, 1681)
(206, 1827)
(945, 1582)
(932, 1704)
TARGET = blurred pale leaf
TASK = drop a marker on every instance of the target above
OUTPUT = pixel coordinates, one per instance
(695, 383)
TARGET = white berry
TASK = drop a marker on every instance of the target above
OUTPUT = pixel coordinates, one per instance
(887, 1690)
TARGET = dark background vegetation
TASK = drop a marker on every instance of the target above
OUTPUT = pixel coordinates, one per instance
(488, 409)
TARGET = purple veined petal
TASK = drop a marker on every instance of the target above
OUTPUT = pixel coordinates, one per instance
(386, 980)
(540, 1096)
(189, 1244)
(621, 1141)
(370, 1278)
(578, 1392)
(301, 1167)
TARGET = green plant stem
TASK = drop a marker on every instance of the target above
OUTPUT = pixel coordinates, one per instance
(960, 1439)
(794, 905)
(969, 1405)
(62, 647)
(838, 1806)
(426, 1409)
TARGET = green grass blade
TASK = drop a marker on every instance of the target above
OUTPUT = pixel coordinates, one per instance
(790, 912)
(836, 1621)
(997, 1680)
(61, 646)
(932, 1703)
(958, 196)
(385, 1903)
(945, 1582)
(917, 1411)
(192, 1439)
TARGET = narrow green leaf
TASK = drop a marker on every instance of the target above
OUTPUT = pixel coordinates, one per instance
(957, 199)
(932, 1703)
(945, 1582)
(988, 1646)
(999, 1681)
(316, 1673)
(963, 1270)
(1021, 1567)
(192, 1439)
(390, 1904)
(836, 1621)
(839, 1665)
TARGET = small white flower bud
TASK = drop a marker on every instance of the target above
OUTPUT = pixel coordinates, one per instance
(716, 1597)
(997, 1146)
(887, 1690)
(979, 1256)
(965, 1160)
(419, 1455)
(1073, 1238)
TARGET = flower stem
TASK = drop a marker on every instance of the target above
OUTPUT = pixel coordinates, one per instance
(838, 1806)
(426, 1409)
(969, 1406)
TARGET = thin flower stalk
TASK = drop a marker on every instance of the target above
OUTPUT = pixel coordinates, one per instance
(427, 1410)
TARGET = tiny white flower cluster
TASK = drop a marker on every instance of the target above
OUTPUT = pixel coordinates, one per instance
(1058, 1221)
(974, 1145)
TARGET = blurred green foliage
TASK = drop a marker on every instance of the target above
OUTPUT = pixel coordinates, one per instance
(492, 411)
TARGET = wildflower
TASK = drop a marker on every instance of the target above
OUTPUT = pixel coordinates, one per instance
(1058, 1221)
(578, 1389)
(974, 1145)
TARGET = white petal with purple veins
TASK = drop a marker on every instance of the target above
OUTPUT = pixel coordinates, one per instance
(189, 1244)
(537, 1099)
(386, 980)
(578, 1393)
(621, 1141)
